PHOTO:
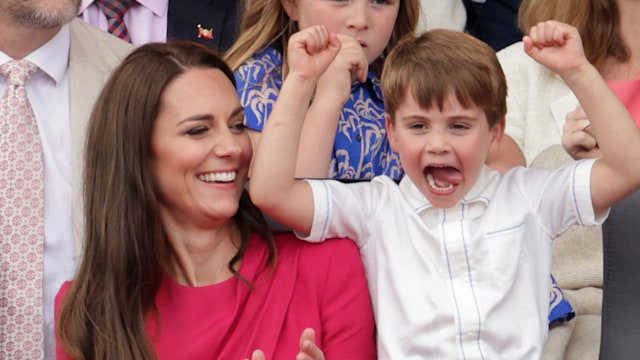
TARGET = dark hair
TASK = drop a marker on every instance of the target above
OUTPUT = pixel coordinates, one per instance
(442, 62)
(126, 250)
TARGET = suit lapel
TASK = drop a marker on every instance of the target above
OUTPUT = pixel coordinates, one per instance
(93, 55)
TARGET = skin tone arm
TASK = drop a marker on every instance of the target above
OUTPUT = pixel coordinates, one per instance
(273, 187)
(617, 174)
(331, 94)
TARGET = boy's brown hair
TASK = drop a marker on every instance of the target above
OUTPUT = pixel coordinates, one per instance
(442, 62)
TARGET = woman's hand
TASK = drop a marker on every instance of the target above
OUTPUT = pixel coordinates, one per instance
(308, 348)
(577, 140)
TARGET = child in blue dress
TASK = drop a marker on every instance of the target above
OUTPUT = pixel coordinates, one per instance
(344, 135)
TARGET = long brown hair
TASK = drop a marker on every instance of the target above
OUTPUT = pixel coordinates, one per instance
(126, 250)
(598, 22)
(265, 23)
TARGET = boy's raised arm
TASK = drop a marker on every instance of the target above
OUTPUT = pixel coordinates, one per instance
(617, 174)
(272, 186)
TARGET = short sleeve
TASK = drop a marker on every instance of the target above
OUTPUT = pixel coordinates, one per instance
(345, 209)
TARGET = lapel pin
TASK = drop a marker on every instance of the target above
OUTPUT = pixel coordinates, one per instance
(205, 33)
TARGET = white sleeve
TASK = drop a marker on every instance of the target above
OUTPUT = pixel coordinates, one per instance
(344, 209)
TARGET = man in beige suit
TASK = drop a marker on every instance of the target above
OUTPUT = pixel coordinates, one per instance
(74, 60)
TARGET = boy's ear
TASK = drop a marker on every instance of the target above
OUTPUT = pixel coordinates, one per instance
(290, 8)
(391, 131)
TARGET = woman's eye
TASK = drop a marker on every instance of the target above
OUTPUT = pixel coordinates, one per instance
(197, 131)
(238, 127)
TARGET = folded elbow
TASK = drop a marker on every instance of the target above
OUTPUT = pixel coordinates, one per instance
(259, 195)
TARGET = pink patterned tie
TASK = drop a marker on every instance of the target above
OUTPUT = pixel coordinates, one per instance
(21, 220)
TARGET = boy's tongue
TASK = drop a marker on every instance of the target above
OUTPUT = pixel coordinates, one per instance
(445, 176)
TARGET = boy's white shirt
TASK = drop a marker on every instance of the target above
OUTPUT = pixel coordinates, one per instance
(467, 282)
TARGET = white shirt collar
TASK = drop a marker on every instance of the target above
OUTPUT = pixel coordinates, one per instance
(52, 58)
(473, 204)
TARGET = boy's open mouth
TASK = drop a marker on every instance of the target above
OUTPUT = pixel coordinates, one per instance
(442, 179)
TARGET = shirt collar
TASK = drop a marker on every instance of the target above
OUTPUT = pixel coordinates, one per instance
(158, 7)
(48, 57)
(375, 83)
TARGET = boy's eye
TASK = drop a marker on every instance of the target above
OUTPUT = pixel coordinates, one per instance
(418, 126)
(197, 130)
(459, 126)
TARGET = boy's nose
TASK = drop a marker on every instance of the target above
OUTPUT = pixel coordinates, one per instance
(437, 143)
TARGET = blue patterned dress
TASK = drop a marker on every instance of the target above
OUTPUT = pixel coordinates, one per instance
(361, 149)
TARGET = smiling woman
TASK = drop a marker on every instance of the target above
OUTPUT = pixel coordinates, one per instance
(178, 262)
(201, 152)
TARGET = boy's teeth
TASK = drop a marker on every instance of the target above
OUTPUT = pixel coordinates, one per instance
(432, 183)
(218, 177)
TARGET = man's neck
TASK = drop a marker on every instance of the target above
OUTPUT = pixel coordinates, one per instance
(19, 40)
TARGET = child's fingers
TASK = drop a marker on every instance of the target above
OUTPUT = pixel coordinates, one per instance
(352, 51)
(310, 51)
(558, 34)
(353, 58)
(334, 42)
(317, 39)
(528, 43)
(548, 33)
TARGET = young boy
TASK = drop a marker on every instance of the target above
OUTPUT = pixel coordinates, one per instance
(457, 255)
